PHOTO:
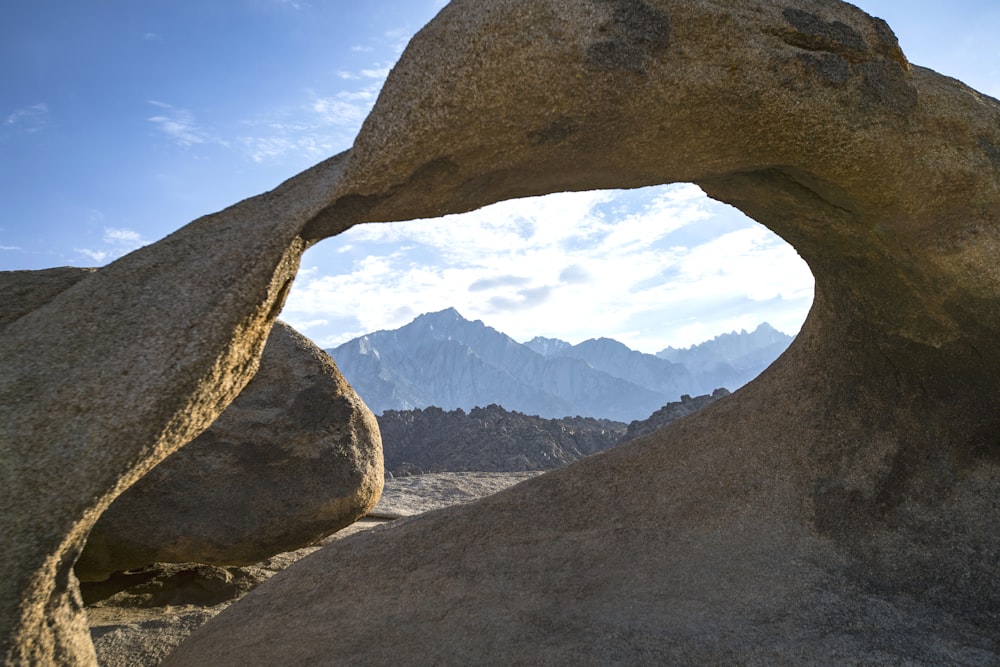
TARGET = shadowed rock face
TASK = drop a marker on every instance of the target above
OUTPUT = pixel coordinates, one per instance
(295, 457)
(118, 370)
(841, 507)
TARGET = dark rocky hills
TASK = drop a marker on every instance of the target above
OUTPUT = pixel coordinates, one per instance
(493, 439)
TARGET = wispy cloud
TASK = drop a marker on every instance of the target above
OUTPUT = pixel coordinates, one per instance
(180, 126)
(655, 267)
(316, 128)
(303, 326)
(117, 241)
(575, 275)
(378, 73)
(499, 281)
(29, 119)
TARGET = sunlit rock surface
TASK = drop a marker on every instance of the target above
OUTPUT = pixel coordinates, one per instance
(295, 457)
(115, 372)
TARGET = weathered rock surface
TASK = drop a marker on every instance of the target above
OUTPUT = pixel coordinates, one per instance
(842, 507)
(117, 371)
(138, 618)
(295, 457)
(23, 291)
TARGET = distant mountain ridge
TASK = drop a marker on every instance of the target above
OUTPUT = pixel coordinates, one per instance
(730, 360)
(443, 360)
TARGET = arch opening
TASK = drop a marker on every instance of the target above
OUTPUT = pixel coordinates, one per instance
(665, 271)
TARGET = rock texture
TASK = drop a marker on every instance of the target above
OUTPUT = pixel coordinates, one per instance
(117, 371)
(23, 291)
(138, 618)
(295, 457)
(842, 507)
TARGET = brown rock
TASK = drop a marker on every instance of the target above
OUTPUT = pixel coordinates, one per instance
(137, 618)
(295, 457)
(23, 291)
(843, 507)
(116, 372)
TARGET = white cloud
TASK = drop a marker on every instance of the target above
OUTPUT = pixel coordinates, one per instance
(98, 257)
(180, 126)
(303, 326)
(29, 119)
(316, 128)
(118, 241)
(123, 237)
(645, 267)
(339, 111)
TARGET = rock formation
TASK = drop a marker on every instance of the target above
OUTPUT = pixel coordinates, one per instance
(295, 457)
(23, 291)
(116, 372)
(492, 439)
(843, 506)
(138, 617)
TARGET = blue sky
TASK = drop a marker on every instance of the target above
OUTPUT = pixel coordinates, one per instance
(121, 121)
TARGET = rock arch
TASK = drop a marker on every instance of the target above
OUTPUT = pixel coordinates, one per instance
(814, 513)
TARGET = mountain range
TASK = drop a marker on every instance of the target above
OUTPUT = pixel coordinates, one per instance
(441, 359)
